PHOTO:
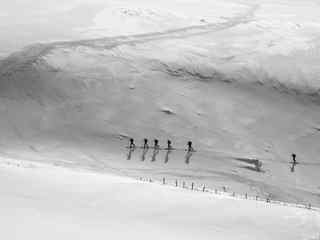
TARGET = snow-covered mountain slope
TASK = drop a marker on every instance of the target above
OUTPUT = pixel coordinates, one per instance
(270, 42)
(85, 97)
(241, 87)
(43, 202)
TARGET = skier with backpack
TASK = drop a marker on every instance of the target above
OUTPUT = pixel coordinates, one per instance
(132, 145)
(156, 144)
(145, 144)
(294, 158)
(189, 147)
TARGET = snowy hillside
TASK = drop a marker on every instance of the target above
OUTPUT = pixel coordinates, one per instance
(40, 202)
(238, 78)
(86, 96)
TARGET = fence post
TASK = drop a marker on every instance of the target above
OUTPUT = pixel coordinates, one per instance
(309, 206)
(246, 195)
(183, 184)
(192, 186)
(164, 180)
(233, 194)
(204, 188)
(176, 183)
(224, 188)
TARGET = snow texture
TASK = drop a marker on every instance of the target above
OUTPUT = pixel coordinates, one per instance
(42, 201)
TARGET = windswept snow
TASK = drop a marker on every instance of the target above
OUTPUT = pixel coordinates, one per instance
(44, 202)
(147, 16)
(238, 78)
(81, 104)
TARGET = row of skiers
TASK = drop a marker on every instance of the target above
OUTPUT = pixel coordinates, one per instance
(157, 146)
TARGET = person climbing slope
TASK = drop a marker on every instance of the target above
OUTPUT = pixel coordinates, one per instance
(156, 144)
(189, 147)
(132, 145)
(294, 158)
(145, 144)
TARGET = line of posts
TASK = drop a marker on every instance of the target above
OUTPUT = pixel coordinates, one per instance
(204, 189)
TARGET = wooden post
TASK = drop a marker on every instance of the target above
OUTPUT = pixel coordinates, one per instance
(176, 183)
(246, 195)
(192, 186)
(164, 180)
(204, 188)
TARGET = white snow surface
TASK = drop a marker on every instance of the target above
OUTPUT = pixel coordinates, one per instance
(219, 84)
(46, 202)
(240, 78)
(268, 41)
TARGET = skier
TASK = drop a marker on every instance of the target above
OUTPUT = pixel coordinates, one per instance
(132, 145)
(156, 144)
(169, 150)
(145, 145)
(190, 148)
(294, 158)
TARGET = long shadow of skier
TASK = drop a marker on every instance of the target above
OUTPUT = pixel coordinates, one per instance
(144, 154)
(131, 150)
(154, 155)
(188, 157)
(292, 168)
(166, 159)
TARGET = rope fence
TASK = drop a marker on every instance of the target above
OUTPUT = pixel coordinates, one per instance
(224, 192)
